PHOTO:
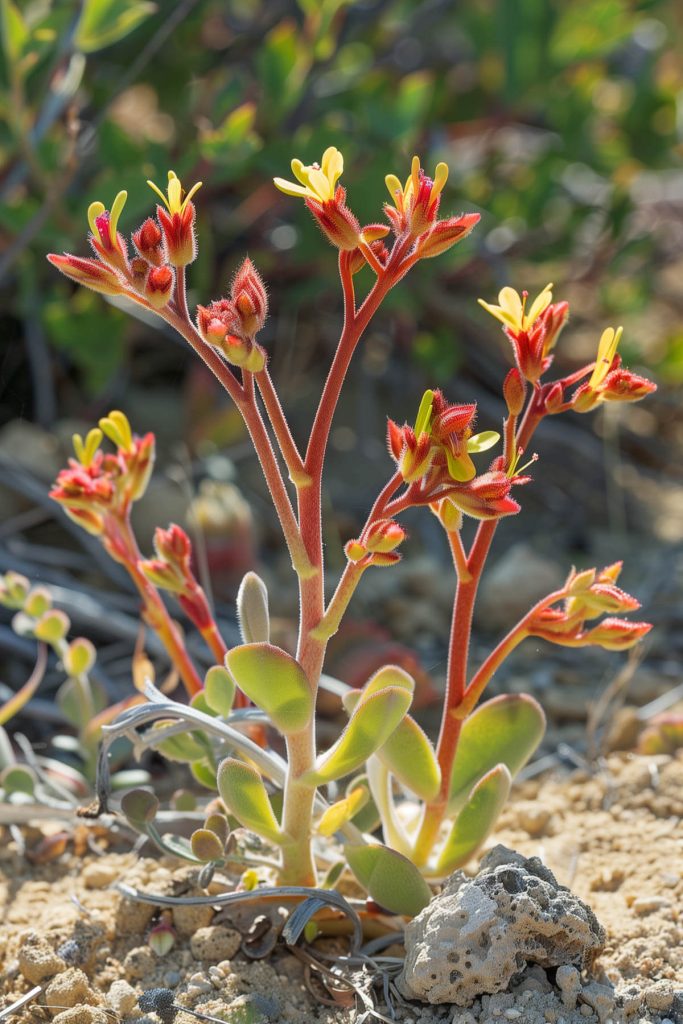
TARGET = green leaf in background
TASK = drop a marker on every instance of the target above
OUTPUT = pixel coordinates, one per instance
(206, 846)
(90, 332)
(15, 33)
(18, 778)
(275, 682)
(219, 690)
(204, 773)
(390, 878)
(104, 22)
(242, 791)
(506, 729)
(475, 820)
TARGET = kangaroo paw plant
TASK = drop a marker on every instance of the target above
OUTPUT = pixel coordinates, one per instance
(434, 802)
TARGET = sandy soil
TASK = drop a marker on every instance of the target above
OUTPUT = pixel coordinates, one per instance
(615, 837)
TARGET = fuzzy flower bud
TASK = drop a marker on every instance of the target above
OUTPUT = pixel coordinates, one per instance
(249, 299)
(514, 392)
(445, 234)
(148, 241)
(159, 286)
(384, 535)
(91, 273)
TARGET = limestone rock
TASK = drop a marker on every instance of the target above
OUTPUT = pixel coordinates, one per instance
(479, 933)
(215, 943)
(70, 988)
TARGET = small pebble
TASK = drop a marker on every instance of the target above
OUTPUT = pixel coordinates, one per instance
(585, 1010)
(215, 943)
(172, 979)
(513, 1014)
(69, 988)
(99, 875)
(140, 962)
(600, 998)
(188, 920)
(37, 959)
(648, 904)
(81, 1015)
(121, 998)
(660, 995)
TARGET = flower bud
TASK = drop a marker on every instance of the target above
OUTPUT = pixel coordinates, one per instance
(159, 286)
(445, 234)
(250, 300)
(161, 574)
(383, 536)
(336, 221)
(554, 399)
(88, 272)
(514, 392)
(355, 550)
(179, 235)
(616, 634)
(148, 242)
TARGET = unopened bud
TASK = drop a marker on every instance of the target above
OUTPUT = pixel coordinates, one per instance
(159, 286)
(355, 550)
(161, 938)
(514, 392)
(79, 657)
(384, 535)
(148, 242)
(249, 296)
(445, 234)
(554, 399)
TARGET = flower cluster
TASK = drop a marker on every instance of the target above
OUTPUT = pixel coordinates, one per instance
(587, 596)
(172, 570)
(231, 325)
(98, 488)
(160, 246)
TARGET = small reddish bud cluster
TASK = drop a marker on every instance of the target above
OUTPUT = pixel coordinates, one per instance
(171, 570)
(588, 595)
(377, 545)
(230, 325)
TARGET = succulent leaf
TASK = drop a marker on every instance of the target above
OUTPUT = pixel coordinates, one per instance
(475, 820)
(140, 808)
(343, 810)
(391, 879)
(507, 730)
(252, 610)
(206, 846)
(410, 756)
(275, 682)
(242, 791)
(219, 690)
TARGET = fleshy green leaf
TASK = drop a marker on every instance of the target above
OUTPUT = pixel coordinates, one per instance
(506, 730)
(219, 690)
(275, 682)
(204, 774)
(140, 807)
(378, 711)
(242, 791)
(252, 610)
(391, 879)
(15, 34)
(104, 22)
(475, 820)
(343, 810)
(410, 757)
(206, 845)
(18, 778)
(185, 747)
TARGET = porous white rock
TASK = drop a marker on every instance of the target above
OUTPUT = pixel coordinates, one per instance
(479, 933)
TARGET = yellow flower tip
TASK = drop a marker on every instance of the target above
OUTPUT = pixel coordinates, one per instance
(607, 349)
(118, 429)
(116, 209)
(85, 450)
(95, 210)
(440, 179)
(173, 200)
(394, 186)
(316, 181)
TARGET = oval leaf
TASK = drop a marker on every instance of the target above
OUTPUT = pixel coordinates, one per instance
(203, 773)
(219, 690)
(391, 879)
(475, 820)
(388, 675)
(275, 682)
(140, 807)
(343, 810)
(252, 610)
(104, 22)
(242, 791)
(206, 846)
(410, 757)
(507, 730)
(369, 727)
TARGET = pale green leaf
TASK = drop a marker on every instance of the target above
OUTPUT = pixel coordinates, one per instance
(104, 22)
(410, 756)
(482, 442)
(219, 690)
(507, 730)
(275, 682)
(242, 791)
(391, 879)
(475, 820)
(341, 812)
(15, 33)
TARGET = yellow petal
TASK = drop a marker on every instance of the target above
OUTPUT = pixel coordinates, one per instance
(175, 191)
(440, 179)
(332, 165)
(393, 185)
(116, 208)
(95, 210)
(188, 197)
(290, 189)
(607, 349)
(319, 184)
(497, 312)
(300, 171)
(539, 305)
(155, 188)
(511, 304)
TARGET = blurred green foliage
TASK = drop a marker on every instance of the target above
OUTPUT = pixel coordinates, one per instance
(560, 122)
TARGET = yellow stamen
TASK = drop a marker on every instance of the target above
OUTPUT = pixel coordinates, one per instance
(85, 450)
(173, 200)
